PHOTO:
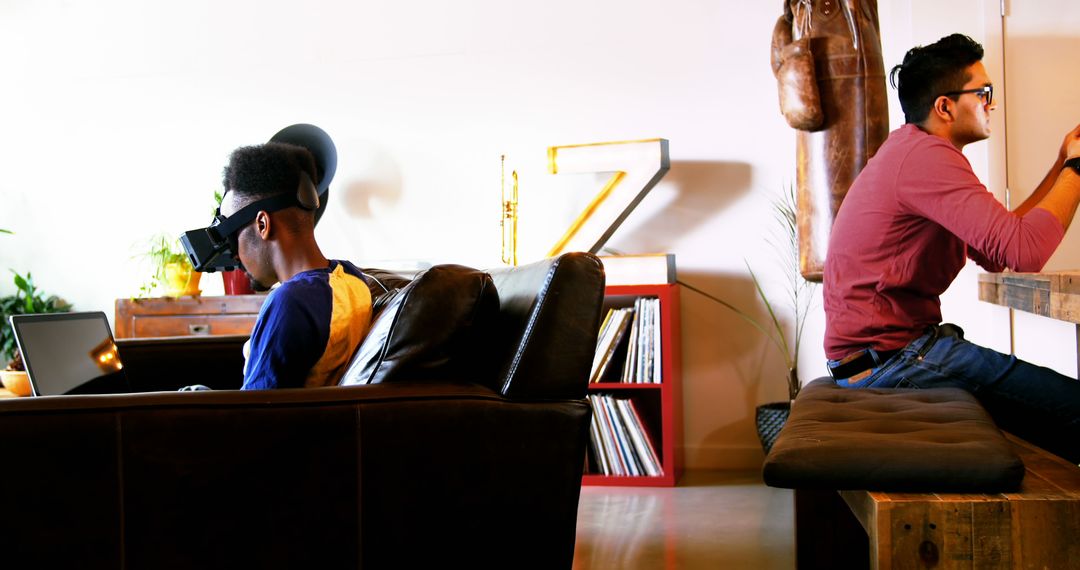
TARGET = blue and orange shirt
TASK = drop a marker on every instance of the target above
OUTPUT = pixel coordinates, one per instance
(308, 329)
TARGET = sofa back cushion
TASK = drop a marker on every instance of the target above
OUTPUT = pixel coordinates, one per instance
(548, 322)
(382, 283)
(438, 326)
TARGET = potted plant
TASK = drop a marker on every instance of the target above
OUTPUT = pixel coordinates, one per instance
(770, 417)
(28, 299)
(172, 270)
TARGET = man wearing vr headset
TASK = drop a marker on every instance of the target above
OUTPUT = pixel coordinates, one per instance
(903, 233)
(310, 325)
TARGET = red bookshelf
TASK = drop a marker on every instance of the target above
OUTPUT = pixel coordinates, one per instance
(660, 405)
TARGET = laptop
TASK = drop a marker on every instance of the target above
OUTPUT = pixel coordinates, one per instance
(69, 353)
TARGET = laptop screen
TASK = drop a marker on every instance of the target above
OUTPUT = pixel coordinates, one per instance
(69, 353)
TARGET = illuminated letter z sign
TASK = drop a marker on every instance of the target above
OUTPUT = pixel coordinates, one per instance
(637, 167)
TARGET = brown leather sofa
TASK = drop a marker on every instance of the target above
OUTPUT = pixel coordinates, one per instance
(475, 461)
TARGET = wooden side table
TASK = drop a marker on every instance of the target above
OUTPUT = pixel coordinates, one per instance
(185, 316)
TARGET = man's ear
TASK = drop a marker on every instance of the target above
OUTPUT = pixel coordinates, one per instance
(263, 224)
(942, 108)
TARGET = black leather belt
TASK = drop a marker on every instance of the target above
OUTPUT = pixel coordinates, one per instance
(860, 361)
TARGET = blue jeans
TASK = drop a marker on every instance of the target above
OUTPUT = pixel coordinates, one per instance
(1032, 402)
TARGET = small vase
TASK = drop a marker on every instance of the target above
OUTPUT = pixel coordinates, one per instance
(236, 282)
(181, 279)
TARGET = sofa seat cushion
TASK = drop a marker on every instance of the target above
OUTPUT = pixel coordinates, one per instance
(435, 327)
(904, 440)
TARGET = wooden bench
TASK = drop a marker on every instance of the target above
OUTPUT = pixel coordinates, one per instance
(903, 478)
(1037, 527)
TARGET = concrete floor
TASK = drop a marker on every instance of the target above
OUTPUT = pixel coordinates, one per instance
(721, 519)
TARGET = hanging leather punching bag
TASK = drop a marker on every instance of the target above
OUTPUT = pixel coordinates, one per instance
(826, 55)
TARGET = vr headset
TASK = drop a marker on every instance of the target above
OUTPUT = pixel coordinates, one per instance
(213, 248)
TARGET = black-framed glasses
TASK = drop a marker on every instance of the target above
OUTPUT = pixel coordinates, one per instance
(986, 93)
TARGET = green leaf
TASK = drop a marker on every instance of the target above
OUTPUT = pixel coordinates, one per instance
(28, 300)
(782, 343)
(21, 283)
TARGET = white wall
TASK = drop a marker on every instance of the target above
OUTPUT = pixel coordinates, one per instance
(1041, 106)
(119, 115)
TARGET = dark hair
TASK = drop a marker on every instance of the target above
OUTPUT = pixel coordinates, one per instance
(930, 71)
(268, 169)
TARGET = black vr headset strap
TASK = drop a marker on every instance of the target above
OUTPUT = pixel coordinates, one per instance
(245, 215)
(307, 195)
(307, 198)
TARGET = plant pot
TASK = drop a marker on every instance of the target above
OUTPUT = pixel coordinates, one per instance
(236, 282)
(181, 279)
(16, 381)
(770, 419)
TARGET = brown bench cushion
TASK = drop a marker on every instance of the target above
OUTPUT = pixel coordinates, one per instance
(905, 440)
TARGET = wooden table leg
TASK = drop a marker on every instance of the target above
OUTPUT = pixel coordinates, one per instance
(827, 534)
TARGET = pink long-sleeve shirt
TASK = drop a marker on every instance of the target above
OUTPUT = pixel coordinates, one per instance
(903, 233)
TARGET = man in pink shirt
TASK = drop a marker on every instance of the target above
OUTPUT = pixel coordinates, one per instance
(910, 221)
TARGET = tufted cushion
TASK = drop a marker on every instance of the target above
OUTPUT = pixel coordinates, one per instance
(906, 440)
(433, 327)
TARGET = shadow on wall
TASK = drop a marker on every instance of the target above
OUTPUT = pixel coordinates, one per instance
(728, 365)
(695, 191)
(378, 181)
(734, 366)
